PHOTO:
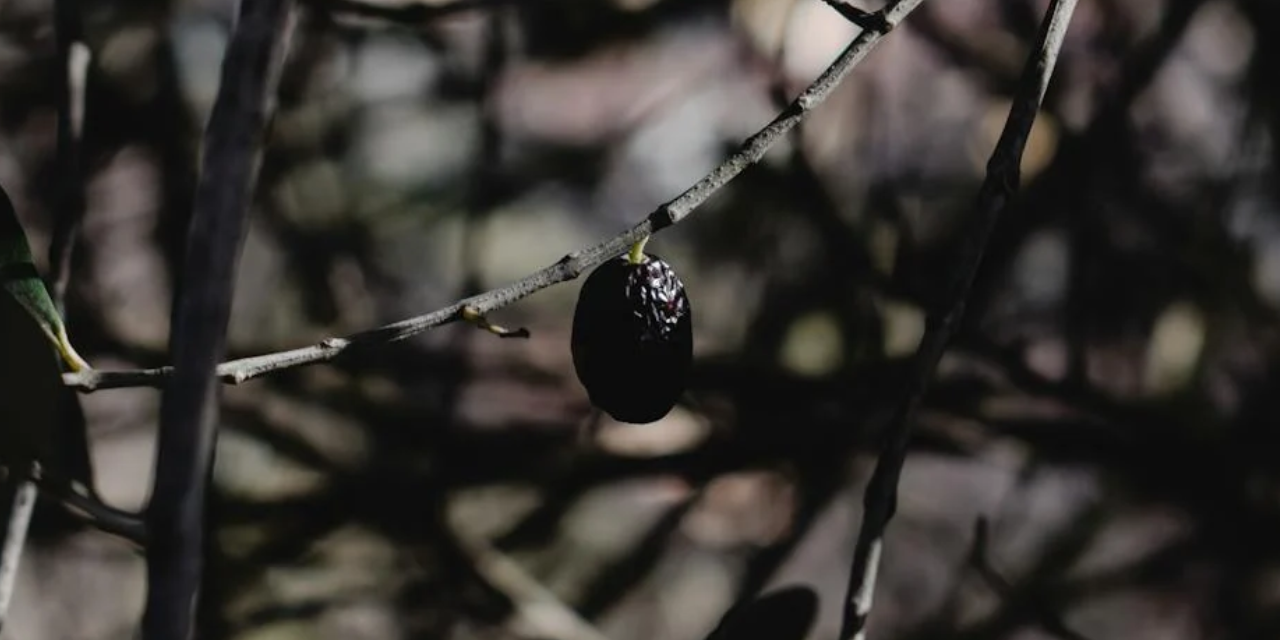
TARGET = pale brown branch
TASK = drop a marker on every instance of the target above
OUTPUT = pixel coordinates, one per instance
(567, 268)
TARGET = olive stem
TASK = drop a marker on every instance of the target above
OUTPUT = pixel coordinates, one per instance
(636, 254)
(68, 352)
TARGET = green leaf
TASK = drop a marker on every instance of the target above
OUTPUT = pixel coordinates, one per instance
(22, 283)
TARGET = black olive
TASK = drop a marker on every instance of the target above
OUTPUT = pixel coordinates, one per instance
(633, 338)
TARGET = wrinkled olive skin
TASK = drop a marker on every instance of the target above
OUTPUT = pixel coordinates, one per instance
(633, 339)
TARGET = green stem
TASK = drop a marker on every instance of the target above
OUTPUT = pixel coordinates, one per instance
(636, 255)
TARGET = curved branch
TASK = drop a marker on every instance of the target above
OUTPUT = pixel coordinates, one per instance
(567, 268)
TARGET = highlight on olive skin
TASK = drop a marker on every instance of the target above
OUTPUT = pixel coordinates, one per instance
(633, 337)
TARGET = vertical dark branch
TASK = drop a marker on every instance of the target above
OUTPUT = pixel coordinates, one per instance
(73, 63)
(188, 411)
(75, 462)
(1001, 182)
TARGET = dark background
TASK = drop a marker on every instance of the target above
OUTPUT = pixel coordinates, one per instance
(1108, 409)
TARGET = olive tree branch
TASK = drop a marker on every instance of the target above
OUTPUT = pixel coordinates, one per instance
(567, 268)
(1001, 182)
(188, 407)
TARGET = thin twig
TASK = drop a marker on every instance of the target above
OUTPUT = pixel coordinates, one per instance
(94, 512)
(188, 407)
(567, 268)
(1002, 179)
(15, 538)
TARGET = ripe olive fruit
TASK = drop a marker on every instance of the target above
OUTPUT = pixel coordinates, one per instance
(633, 337)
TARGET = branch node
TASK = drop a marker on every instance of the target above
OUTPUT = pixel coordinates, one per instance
(572, 265)
(663, 217)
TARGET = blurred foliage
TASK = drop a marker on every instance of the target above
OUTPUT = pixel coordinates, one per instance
(1108, 408)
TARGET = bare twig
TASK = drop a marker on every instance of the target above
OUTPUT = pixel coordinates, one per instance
(567, 268)
(94, 512)
(188, 410)
(1002, 179)
(15, 538)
